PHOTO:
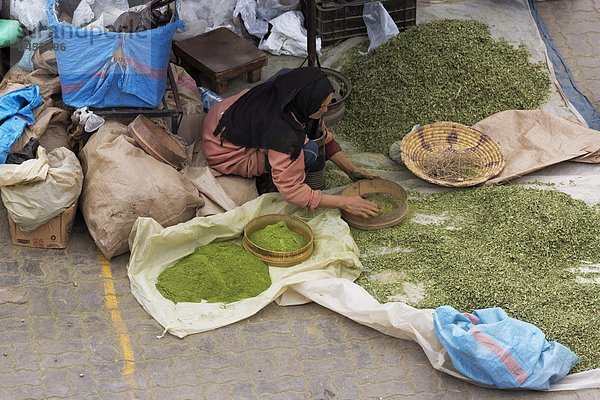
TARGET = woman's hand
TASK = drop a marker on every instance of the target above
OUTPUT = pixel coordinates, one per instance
(356, 205)
(353, 172)
(358, 174)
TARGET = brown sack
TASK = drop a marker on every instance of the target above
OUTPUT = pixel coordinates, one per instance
(51, 123)
(50, 128)
(45, 75)
(533, 139)
(220, 192)
(123, 183)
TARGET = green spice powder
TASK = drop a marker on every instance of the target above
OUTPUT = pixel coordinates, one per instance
(535, 253)
(217, 272)
(386, 202)
(443, 70)
(278, 237)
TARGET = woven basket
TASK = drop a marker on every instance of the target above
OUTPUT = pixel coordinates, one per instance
(427, 141)
(279, 258)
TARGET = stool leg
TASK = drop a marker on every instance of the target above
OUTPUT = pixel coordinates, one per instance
(254, 75)
(219, 87)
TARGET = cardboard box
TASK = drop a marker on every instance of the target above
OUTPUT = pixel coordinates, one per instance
(54, 234)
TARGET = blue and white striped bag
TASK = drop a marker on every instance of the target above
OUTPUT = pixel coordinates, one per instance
(493, 349)
(108, 69)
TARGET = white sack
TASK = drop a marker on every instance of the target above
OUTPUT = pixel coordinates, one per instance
(194, 25)
(247, 10)
(83, 14)
(270, 9)
(326, 278)
(32, 205)
(288, 36)
(205, 15)
(29, 171)
(29, 13)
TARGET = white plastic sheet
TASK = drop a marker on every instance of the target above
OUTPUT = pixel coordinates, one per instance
(408, 323)
(326, 279)
(154, 248)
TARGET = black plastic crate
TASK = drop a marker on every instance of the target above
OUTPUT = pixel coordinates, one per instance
(341, 20)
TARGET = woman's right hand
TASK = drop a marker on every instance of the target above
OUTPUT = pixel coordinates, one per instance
(356, 205)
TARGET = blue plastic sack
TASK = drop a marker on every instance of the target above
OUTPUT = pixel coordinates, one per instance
(16, 112)
(91, 75)
(493, 349)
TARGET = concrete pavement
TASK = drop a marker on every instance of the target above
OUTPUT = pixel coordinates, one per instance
(71, 329)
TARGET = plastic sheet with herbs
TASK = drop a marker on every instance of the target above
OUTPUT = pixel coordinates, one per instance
(535, 253)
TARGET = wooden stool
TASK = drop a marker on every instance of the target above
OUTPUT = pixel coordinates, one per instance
(221, 55)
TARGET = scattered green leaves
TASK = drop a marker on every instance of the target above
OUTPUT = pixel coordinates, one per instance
(533, 252)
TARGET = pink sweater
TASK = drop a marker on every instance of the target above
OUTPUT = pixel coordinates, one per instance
(288, 175)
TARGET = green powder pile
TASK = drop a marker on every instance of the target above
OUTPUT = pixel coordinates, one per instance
(217, 272)
(386, 201)
(444, 70)
(278, 237)
(535, 253)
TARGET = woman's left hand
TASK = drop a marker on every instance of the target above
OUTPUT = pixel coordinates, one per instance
(353, 172)
(358, 174)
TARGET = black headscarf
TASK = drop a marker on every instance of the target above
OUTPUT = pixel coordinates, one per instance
(263, 116)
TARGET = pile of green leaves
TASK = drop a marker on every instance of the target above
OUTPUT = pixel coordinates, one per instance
(532, 252)
(445, 70)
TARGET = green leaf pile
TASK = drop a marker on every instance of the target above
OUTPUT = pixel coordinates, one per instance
(445, 70)
(535, 253)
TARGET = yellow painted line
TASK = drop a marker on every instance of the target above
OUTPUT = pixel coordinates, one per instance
(112, 304)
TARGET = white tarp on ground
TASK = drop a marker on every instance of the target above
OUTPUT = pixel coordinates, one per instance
(326, 278)
(155, 248)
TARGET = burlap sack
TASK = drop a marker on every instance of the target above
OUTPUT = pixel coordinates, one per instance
(45, 75)
(220, 192)
(123, 183)
(50, 128)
